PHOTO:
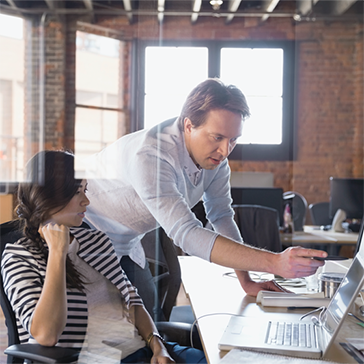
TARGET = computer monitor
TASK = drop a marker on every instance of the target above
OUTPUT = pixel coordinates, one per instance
(268, 197)
(347, 194)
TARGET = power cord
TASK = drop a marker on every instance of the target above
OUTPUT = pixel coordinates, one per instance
(322, 309)
(207, 315)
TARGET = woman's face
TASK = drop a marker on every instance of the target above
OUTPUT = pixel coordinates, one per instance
(74, 212)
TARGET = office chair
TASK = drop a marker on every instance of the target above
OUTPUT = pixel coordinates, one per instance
(319, 213)
(259, 226)
(163, 262)
(298, 207)
(32, 353)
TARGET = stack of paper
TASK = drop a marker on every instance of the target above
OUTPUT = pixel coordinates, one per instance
(283, 299)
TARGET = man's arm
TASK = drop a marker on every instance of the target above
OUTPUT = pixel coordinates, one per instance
(291, 263)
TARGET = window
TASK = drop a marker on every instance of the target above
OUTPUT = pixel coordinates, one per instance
(170, 74)
(264, 71)
(11, 98)
(99, 108)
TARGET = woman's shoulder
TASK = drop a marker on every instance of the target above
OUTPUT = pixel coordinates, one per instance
(21, 246)
(21, 251)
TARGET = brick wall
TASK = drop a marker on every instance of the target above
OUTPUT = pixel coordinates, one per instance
(45, 84)
(329, 81)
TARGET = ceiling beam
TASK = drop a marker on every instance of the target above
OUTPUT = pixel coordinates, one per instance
(340, 7)
(50, 4)
(88, 4)
(196, 7)
(269, 7)
(128, 9)
(305, 7)
(233, 6)
(161, 4)
(12, 4)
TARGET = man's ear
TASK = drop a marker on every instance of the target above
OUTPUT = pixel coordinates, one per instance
(187, 125)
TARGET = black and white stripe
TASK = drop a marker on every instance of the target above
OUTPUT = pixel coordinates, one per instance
(23, 269)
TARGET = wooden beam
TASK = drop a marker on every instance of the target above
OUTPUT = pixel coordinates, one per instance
(304, 7)
(50, 4)
(88, 4)
(12, 4)
(161, 10)
(340, 7)
(128, 8)
(232, 7)
(269, 7)
(196, 7)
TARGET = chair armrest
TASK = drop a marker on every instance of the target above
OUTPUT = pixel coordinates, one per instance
(43, 354)
(179, 332)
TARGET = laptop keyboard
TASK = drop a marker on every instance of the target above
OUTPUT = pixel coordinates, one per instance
(289, 334)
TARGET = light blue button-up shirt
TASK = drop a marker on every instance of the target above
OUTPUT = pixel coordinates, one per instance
(146, 179)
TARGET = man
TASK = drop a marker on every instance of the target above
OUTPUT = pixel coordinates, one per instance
(154, 177)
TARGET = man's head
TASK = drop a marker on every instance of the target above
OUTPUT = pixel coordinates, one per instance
(212, 120)
(210, 95)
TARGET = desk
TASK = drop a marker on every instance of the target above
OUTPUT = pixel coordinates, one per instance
(211, 292)
(340, 238)
(310, 235)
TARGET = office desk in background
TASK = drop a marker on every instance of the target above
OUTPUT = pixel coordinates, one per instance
(312, 235)
(214, 296)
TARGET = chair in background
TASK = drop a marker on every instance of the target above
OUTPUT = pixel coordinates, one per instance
(259, 226)
(298, 208)
(33, 353)
(163, 262)
(319, 213)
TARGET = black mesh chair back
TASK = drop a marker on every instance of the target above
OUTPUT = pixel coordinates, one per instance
(10, 232)
(319, 213)
(259, 226)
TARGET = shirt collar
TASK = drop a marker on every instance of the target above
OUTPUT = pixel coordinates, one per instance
(193, 172)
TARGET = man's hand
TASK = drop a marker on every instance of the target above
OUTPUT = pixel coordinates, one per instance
(296, 262)
(252, 288)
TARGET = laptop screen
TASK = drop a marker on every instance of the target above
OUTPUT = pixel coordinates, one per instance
(348, 290)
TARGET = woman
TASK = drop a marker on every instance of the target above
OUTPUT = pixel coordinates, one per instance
(65, 282)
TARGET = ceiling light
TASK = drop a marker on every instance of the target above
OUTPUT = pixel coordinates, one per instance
(216, 4)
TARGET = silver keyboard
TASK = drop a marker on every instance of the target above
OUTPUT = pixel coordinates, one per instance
(289, 334)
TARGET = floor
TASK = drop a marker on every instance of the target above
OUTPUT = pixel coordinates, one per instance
(181, 300)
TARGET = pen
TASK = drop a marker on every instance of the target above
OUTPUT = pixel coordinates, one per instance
(300, 307)
(350, 314)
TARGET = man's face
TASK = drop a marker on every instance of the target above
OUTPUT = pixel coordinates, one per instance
(212, 142)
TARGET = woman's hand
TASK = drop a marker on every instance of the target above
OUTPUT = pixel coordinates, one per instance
(160, 353)
(56, 236)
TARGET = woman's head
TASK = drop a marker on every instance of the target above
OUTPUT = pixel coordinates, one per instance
(51, 192)
(50, 185)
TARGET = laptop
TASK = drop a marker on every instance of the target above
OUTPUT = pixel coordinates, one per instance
(311, 337)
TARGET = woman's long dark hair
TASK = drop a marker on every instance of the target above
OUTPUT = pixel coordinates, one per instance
(49, 187)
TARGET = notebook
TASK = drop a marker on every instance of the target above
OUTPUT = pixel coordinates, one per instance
(311, 337)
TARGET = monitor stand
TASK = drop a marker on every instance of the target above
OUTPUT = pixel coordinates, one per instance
(339, 217)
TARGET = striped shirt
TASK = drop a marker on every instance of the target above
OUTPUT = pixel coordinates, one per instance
(23, 269)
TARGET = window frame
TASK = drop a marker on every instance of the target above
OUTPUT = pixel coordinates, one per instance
(253, 152)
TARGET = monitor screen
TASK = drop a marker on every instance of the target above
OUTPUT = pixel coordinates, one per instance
(268, 197)
(347, 194)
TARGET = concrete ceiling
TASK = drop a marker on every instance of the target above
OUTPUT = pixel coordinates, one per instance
(298, 10)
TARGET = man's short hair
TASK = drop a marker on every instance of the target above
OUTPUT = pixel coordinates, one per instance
(212, 94)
